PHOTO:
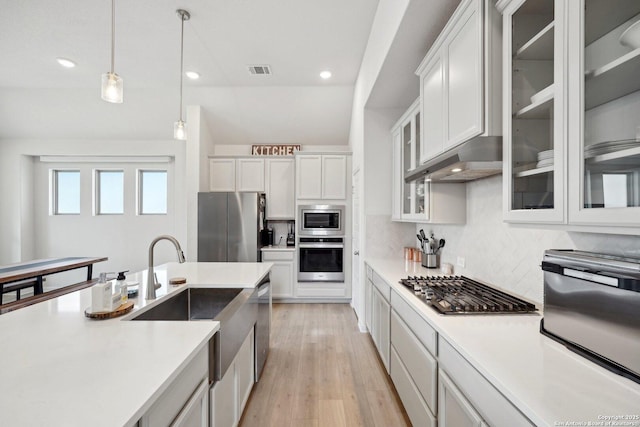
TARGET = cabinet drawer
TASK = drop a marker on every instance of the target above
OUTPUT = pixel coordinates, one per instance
(425, 333)
(415, 406)
(277, 255)
(494, 408)
(171, 402)
(420, 364)
(382, 286)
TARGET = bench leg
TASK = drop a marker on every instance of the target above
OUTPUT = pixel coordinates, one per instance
(37, 289)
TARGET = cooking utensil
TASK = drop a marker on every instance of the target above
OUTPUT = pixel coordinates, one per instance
(432, 244)
(440, 245)
(424, 237)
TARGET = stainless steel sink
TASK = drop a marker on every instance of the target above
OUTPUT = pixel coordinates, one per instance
(235, 309)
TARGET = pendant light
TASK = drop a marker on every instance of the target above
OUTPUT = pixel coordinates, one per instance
(180, 127)
(112, 90)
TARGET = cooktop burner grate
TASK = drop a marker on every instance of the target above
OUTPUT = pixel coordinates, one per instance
(461, 295)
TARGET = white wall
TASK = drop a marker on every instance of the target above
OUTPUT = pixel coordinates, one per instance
(509, 256)
(385, 26)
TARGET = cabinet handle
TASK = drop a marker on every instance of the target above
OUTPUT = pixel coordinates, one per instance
(356, 252)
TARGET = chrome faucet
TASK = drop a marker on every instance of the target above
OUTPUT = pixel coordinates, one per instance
(151, 281)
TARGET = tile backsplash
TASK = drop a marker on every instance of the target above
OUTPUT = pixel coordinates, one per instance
(509, 256)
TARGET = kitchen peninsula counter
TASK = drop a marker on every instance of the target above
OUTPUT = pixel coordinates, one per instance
(60, 368)
(546, 382)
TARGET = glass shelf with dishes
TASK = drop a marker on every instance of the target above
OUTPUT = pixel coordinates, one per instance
(533, 148)
(606, 136)
(410, 198)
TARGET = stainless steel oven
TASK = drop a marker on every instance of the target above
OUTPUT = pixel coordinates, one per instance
(321, 220)
(321, 259)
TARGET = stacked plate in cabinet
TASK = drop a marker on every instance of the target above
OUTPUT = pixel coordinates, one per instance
(545, 158)
(607, 147)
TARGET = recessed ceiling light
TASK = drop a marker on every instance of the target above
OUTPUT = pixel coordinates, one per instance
(325, 74)
(192, 75)
(67, 63)
(456, 170)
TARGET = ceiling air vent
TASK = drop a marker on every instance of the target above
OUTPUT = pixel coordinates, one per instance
(259, 70)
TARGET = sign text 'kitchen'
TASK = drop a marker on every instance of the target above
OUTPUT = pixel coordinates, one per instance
(274, 150)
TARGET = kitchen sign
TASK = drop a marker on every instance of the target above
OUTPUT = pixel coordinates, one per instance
(274, 150)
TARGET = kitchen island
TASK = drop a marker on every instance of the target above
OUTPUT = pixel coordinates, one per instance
(60, 368)
(539, 377)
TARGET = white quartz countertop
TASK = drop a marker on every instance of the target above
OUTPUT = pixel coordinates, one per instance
(59, 368)
(281, 248)
(543, 379)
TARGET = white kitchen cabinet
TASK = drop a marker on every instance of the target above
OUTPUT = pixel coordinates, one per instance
(183, 399)
(222, 175)
(455, 410)
(571, 87)
(309, 176)
(534, 111)
(334, 177)
(603, 119)
(282, 272)
(421, 200)
(380, 321)
(279, 186)
(368, 291)
(479, 394)
(413, 365)
(196, 411)
(321, 176)
(229, 395)
(416, 408)
(432, 91)
(463, 76)
(249, 175)
(460, 80)
(236, 174)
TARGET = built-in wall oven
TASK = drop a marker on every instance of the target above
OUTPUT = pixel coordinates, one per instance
(321, 259)
(321, 243)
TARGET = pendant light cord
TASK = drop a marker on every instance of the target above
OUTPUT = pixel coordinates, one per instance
(113, 34)
(181, 59)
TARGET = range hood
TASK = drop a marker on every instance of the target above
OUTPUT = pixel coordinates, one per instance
(474, 159)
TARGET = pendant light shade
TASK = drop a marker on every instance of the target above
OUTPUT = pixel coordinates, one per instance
(180, 130)
(180, 127)
(112, 84)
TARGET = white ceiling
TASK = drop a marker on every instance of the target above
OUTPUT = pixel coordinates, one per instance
(297, 38)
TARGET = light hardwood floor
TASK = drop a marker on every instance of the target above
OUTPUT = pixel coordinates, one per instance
(322, 371)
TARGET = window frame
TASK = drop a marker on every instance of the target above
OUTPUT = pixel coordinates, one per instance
(54, 193)
(97, 191)
(139, 190)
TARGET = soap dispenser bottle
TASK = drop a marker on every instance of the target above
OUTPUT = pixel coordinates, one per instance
(101, 295)
(121, 287)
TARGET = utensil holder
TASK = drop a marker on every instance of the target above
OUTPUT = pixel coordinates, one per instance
(430, 260)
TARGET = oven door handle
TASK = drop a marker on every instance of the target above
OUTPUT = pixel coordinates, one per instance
(321, 245)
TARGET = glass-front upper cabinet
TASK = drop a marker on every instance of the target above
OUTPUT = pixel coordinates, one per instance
(604, 112)
(534, 139)
(409, 199)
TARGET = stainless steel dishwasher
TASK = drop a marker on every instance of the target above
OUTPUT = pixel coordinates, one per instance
(263, 325)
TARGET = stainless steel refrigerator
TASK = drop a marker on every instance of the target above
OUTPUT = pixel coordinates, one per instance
(229, 226)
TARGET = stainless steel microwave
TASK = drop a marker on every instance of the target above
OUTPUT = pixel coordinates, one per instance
(321, 220)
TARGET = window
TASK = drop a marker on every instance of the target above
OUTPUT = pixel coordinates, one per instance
(152, 192)
(66, 192)
(109, 192)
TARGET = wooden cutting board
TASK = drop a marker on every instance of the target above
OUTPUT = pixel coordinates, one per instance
(100, 315)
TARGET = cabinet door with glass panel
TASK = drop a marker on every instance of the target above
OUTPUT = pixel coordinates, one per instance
(409, 198)
(534, 135)
(604, 112)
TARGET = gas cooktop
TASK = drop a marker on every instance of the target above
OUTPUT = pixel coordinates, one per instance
(461, 295)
